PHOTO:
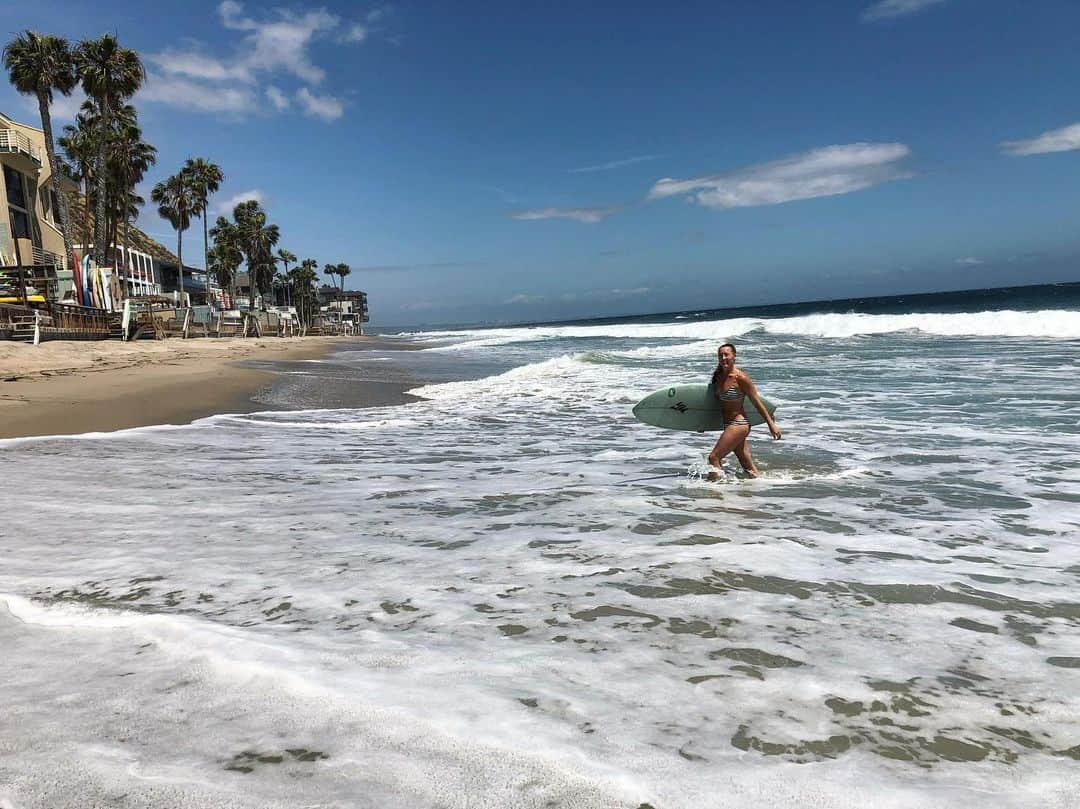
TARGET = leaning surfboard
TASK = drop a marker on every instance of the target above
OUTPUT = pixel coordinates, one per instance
(691, 407)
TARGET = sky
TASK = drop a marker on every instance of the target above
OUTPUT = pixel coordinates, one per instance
(526, 161)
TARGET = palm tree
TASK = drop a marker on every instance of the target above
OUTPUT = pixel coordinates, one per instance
(175, 202)
(225, 257)
(341, 271)
(303, 278)
(286, 258)
(331, 271)
(206, 178)
(39, 64)
(257, 240)
(109, 74)
(79, 143)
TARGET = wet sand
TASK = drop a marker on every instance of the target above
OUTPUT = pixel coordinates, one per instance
(68, 387)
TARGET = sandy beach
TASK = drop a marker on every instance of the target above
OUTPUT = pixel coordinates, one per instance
(68, 387)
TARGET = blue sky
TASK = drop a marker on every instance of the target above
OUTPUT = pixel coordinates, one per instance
(525, 161)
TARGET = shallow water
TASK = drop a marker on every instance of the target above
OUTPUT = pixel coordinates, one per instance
(512, 594)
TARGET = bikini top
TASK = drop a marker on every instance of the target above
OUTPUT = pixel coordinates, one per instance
(730, 395)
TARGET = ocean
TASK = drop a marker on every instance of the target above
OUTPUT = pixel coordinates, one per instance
(505, 592)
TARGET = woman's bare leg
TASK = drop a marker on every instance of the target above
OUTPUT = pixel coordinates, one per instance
(733, 436)
(742, 452)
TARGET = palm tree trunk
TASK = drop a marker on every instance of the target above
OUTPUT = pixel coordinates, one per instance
(205, 249)
(99, 181)
(50, 149)
(180, 260)
(86, 216)
(125, 254)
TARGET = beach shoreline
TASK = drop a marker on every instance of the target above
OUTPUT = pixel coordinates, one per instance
(70, 387)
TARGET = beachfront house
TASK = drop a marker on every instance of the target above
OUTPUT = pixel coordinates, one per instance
(243, 287)
(196, 280)
(29, 222)
(346, 308)
(352, 302)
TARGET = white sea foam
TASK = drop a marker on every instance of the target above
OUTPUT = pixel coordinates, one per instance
(1054, 323)
(512, 594)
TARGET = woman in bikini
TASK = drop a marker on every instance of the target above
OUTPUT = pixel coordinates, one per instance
(730, 386)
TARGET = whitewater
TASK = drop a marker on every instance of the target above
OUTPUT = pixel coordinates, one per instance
(507, 592)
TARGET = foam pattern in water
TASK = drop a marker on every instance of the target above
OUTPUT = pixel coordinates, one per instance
(512, 594)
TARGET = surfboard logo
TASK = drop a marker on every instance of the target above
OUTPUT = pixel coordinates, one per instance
(670, 392)
(681, 407)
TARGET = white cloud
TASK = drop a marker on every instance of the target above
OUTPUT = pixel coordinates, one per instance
(823, 172)
(616, 164)
(969, 261)
(355, 33)
(1056, 140)
(63, 108)
(590, 216)
(277, 98)
(225, 206)
(592, 295)
(522, 298)
(195, 64)
(325, 106)
(180, 92)
(279, 42)
(888, 9)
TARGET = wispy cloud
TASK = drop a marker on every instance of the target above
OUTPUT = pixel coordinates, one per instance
(63, 108)
(277, 98)
(357, 32)
(521, 297)
(196, 64)
(889, 9)
(591, 295)
(180, 92)
(225, 206)
(435, 265)
(277, 42)
(969, 261)
(1056, 140)
(824, 172)
(617, 164)
(590, 216)
(325, 107)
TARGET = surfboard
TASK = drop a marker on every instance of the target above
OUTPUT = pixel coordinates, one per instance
(691, 407)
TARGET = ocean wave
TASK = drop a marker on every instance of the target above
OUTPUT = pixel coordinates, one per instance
(1052, 323)
(1055, 323)
(556, 368)
(92, 436)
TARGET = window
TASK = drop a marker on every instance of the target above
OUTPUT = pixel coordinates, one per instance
(20, 223)
(15, 193)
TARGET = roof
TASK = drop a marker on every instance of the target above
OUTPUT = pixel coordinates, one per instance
(136, 239)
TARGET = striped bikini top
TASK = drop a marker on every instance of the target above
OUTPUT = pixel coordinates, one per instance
(730, 395)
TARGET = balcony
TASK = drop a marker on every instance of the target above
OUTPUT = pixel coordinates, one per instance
(15, 142)
(48, 259)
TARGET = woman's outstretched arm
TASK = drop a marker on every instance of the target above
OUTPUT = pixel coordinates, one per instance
(747, 385)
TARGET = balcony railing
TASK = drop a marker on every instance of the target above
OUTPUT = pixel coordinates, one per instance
(49, 259)
(12, 140)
